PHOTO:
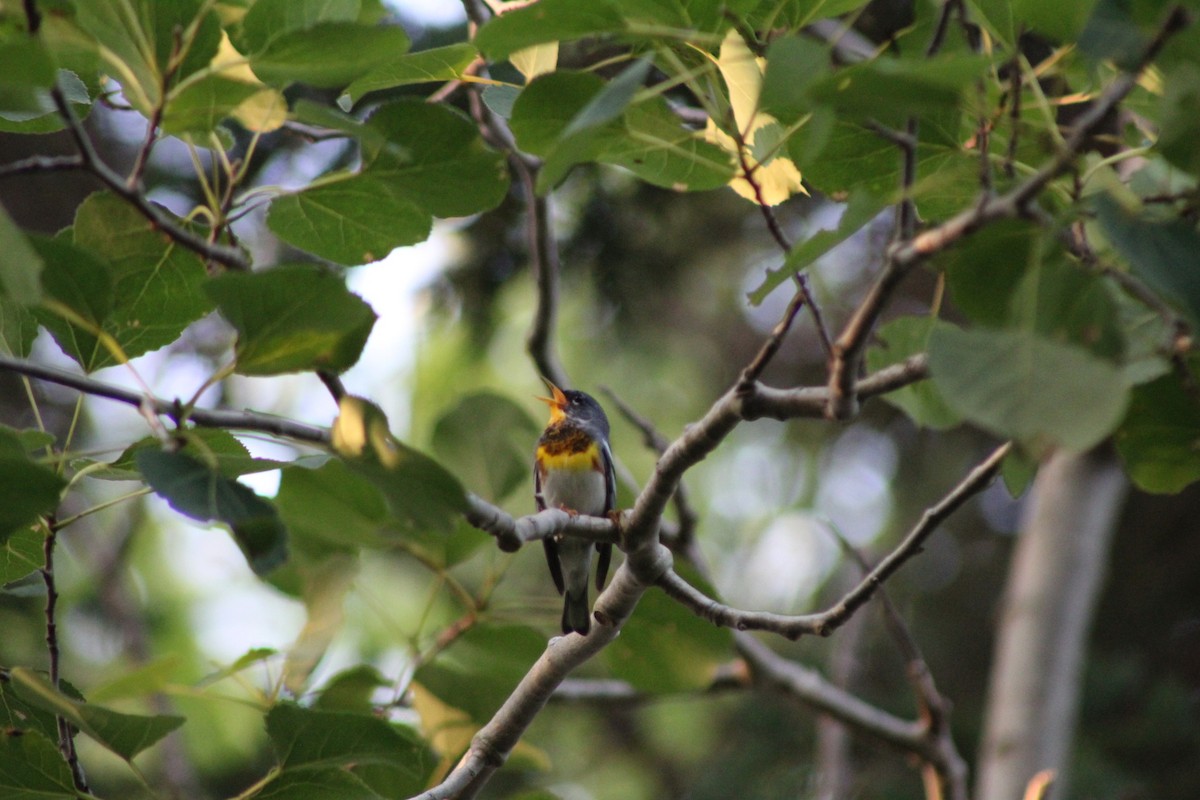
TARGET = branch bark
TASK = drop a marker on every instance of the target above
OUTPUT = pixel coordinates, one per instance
(1053, 586)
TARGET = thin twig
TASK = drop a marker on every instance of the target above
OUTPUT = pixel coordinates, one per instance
(208, 418)
(39, 164)
(66, 732)
(157, 216)
(781, 239)
(684, 510)
(134, 181)
(825, 622)
(770, 347)
(904, 255)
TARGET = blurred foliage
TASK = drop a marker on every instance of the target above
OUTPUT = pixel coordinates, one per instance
(381, 630)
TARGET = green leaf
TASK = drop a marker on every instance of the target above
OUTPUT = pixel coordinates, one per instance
(213, 446)
(419, 491)
(124, 734)
(21, 268)
(27, 491)
(317, 783)
(1063, 303)
(202, 105)
(120, 276)
(1160, 437)
(28, 77)
(351, 690)
(303, 737)
(267, 20)
(479, 671)
(21, 553)
(793, 63)
(486, 440)
(862, 208)
(18, 329)
(331, 506)
(1017, 384)
(1165, 256)
(32, 768)
(438, 64)
(45, 118)
(1179, 128)
(1113, 33)
(434, 155)
(983, 271)
(142, 681)
(899, 339)
(329, 54)
(83, 285)
(138, 38)
(201, 493)
(890, 90)
(354, 220)
(659, 150)
(1059, 22)
(666, 648)
(156, 283)
(583, 136)
(546, 109)
(292, 318)
(1018, 470)
(547, 21)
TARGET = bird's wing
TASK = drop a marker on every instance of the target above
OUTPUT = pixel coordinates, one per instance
(548, 543)
(610, 502)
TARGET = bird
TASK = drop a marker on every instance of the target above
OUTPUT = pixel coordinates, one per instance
(573, 471)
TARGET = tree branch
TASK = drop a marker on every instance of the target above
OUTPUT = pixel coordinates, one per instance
(34, 165)
(513, 532)
(90, 160)
(208, 418)
(825, 622)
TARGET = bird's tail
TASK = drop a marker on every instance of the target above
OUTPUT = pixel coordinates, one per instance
(577, 617)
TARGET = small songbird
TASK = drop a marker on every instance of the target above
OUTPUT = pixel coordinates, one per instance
(573, 470)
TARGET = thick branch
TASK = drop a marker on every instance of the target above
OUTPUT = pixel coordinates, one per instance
(512, 532)
(491, 746)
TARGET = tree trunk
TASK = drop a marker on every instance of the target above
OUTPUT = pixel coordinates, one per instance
(1053, 585)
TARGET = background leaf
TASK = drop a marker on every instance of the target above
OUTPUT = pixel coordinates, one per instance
(1159, 440)
(1017, 384)
(487, 440)
(481, 668)
(899, 339)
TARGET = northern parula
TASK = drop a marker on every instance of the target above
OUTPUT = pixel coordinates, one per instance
(573, 470)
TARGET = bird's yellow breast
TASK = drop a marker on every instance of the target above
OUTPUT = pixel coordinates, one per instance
(552, 457)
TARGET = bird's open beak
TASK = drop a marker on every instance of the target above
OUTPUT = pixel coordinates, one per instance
(557, 401)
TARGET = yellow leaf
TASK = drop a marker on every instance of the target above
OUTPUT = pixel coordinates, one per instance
(232, 64)
(777, 178)
(262, 112)
(536, 60)
(743, 75)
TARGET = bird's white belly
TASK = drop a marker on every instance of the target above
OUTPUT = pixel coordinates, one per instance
(580, 490)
